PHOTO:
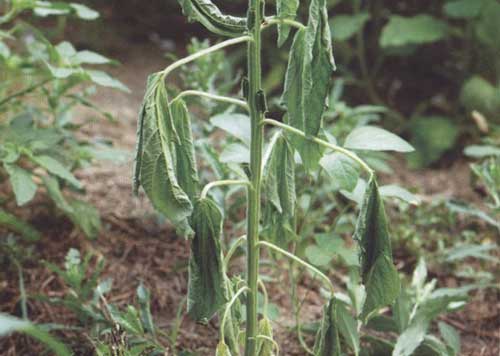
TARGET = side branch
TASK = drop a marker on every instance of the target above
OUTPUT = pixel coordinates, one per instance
(202, 53)
(220, 183)
(321, 142)
(269, 21)
(220, 98)
(300, 261)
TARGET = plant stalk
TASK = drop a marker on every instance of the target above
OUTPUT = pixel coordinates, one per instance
(253, 210)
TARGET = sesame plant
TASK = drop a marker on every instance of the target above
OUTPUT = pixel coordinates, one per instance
(166, 168)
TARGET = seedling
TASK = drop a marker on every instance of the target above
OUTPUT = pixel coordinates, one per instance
(166, 169)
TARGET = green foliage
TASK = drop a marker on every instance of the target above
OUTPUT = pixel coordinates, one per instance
(40, 140)
(327, 340)
(10, 324)
(418, 30)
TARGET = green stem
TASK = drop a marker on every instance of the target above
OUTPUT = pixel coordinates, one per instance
(254, 190)
(321, 142)
(300, 261)
(228, 309)
(220, 98)
(269, 21)
(233, 249)
(25, 91)
(202, 53)
(221, 183)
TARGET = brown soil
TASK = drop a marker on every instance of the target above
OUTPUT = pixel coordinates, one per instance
(138, 248)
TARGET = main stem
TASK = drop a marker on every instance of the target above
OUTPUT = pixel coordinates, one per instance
(253, 212)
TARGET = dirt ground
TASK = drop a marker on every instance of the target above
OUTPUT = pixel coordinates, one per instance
(139, 248)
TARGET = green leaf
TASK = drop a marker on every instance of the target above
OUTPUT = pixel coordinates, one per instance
(237, 125)
(346, 26)
(89, 57)
(155, 158)
(414, 335)
(487, 26)
(105, 80)
(144, 299)
(327, 247)
(209, 15)
(207, 291)
(84, 12)
(308, 81)
(341, 169)
(480, 95)
(395, 191)
(21, 227)
(279, 175)
(22, 184)
(285, 9)
(379, 275)
(235, 153)
(463, 9)
(55, 167)
(222, 349)
(374, 138)
(417, 30)
(450, 336)
(327, 339)
(10, 324)
(348, 328)
(82, 214)
(482, 151)
(432, 136)
(187, 173)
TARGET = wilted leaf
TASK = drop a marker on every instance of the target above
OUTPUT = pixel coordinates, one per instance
(308, 81)
(285, 9)
(327, 339)
(279, 175)
(348, 328)
(265, 347)
(374, 138)
(417, 30)
(207, 291)
(155, 165)
(379, 275)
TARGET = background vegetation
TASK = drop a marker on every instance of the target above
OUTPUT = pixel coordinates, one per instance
(85, 264)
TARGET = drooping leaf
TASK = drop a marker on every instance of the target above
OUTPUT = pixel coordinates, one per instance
(345, 26)
(286, 9)
(341, 169)
(237, 125)
(279, 175)
(379, 275)
(348, 328)
(207, 291)
(22, 184)
(417, 30)
(327, 339)
(155, 163)
(209, 15)
(265, 347)
(308, 81)
(374, 138)
(187, 173)
(10, 324)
